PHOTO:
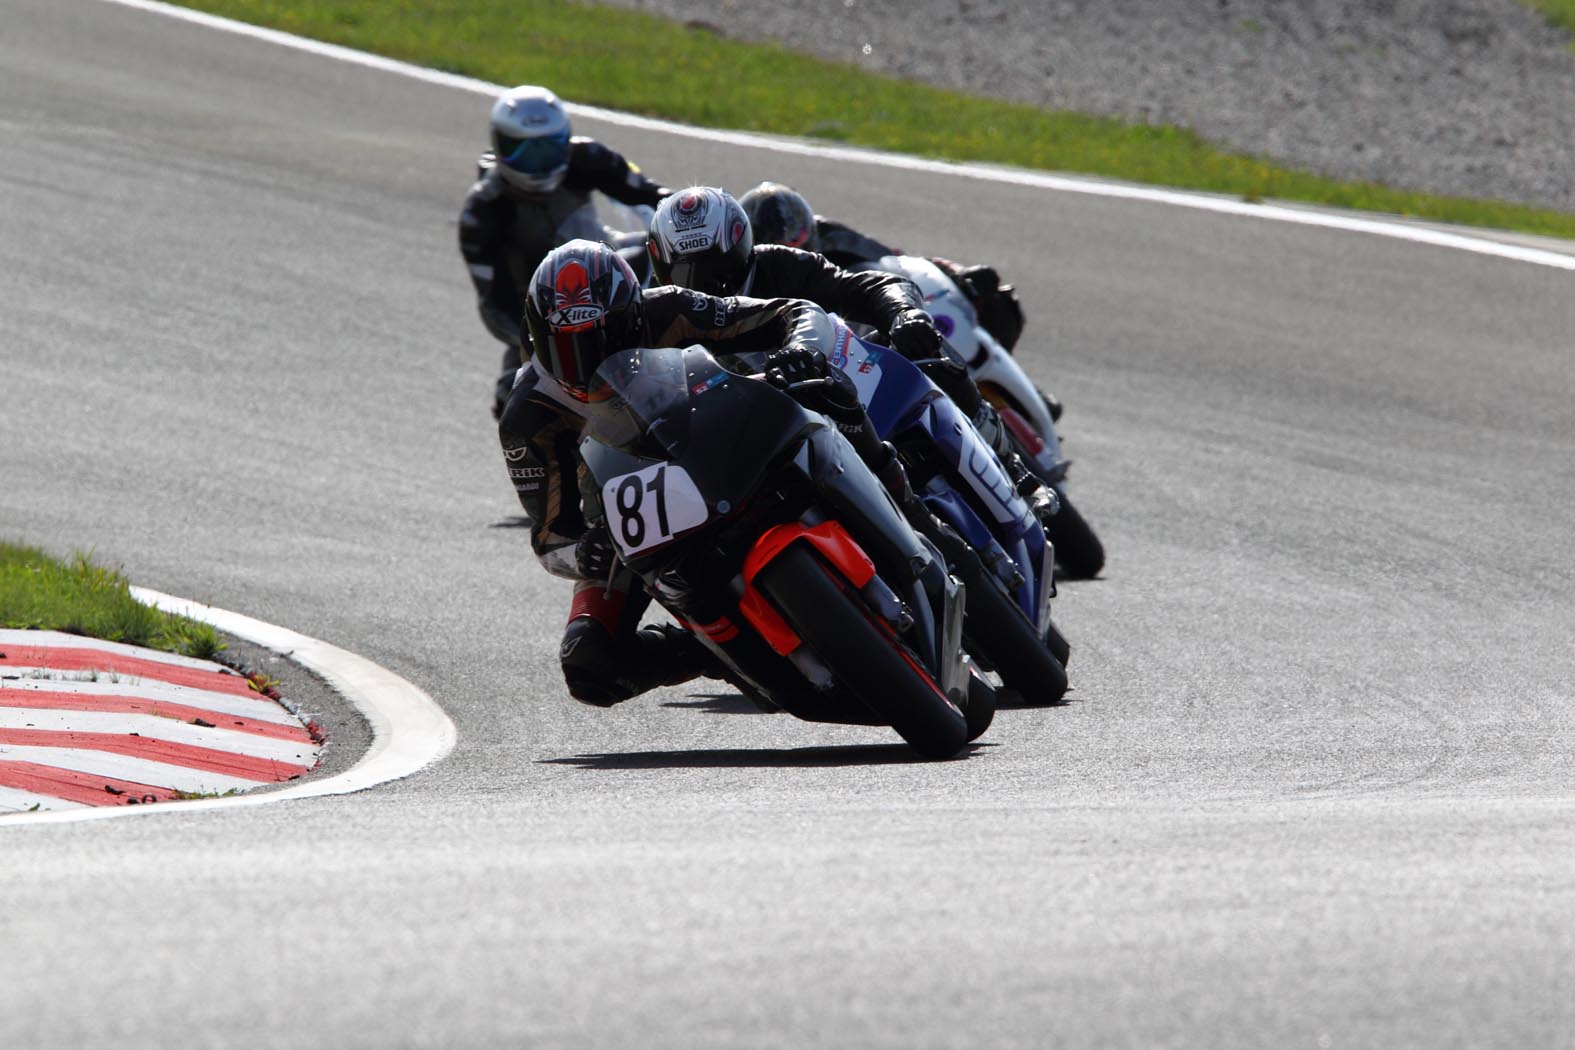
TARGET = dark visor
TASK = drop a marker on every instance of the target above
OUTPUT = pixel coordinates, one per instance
(704, 272)
(576, 356)
(533, 156)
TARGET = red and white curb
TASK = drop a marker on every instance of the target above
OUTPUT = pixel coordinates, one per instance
(85, 722)
(409, 730)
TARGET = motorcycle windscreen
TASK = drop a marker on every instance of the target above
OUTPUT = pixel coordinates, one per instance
(632, 392)
(738, 428)
(725, 430)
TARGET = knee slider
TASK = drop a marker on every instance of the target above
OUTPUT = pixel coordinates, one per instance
(586, 657)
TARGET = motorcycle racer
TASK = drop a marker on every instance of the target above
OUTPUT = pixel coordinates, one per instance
(533, 192)
(781, 215)
(702, 238)
(584, 304)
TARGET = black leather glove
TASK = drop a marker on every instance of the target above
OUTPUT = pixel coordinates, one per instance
(1002, 315)
(594, 554)
(978, 282)
(834, 393)
(839, 398)
(795, 364)
(913, 335)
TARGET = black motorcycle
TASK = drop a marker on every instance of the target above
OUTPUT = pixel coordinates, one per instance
(756, 525)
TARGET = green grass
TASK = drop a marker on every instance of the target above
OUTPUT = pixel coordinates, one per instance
(643, 64)
(1559, 12)
(79, 597)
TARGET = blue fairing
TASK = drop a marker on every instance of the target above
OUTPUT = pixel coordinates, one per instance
(902, 394)
(1026, 550)
(980, 503)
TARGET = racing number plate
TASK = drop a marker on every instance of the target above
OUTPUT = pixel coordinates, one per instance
(651, 506)
(860, 363)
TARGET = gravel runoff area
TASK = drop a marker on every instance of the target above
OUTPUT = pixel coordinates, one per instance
(1460, 97)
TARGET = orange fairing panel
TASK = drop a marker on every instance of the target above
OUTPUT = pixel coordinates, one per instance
(833, 543)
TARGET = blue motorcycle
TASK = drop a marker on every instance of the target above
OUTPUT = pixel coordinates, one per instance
(1005, 560)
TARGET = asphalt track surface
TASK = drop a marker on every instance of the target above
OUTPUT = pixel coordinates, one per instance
(1314, 787)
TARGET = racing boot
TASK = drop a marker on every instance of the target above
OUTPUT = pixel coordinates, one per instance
(587, 656)
(602, 671)
(894, 477)
(673, 655)
(888, 469)
(1041, 498)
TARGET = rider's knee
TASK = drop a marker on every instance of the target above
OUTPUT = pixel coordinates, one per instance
(588, 662)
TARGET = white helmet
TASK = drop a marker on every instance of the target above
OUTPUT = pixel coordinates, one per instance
(700, 238)
(530, 137)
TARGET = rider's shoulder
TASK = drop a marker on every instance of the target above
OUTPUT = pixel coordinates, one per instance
(672, 297)
(585, 150)
(771, 261)
(536, 402)
(488, 186)
(781, 251)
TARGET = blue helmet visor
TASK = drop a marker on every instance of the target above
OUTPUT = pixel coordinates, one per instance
(533, 156)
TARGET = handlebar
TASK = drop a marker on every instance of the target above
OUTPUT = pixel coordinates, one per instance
(802, 384)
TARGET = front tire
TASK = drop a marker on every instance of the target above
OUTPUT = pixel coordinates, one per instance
(1059, 647)
(981, 705)
(862, 656)
(998, 630)
(1077, 550)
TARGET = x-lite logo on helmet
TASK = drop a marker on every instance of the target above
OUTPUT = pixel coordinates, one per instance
(584, 305)
(573, 307)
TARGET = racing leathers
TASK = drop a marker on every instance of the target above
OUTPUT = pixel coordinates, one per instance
(885, 301)
(605, 655)
(890, 303)
(869, 297)
(1000, 312)
(504, 233)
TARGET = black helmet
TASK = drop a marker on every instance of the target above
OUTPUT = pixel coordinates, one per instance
(780, 215)
(700, 239)
(584, 306)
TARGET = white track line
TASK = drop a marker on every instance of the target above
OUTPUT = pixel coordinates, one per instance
(1019, 177)
(409, 730)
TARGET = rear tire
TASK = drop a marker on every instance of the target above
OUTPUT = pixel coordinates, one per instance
(862, 657)
(1077, 550)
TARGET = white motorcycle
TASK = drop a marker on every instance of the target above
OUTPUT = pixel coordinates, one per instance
(1023, 408)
